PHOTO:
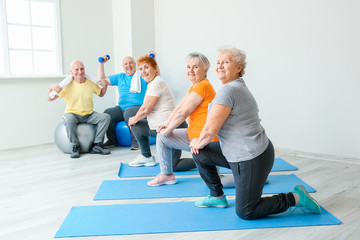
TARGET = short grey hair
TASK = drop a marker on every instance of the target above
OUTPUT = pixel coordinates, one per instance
(239, 56)
(201, 58)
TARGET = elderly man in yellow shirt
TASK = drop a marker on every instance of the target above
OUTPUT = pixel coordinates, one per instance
(78, 96)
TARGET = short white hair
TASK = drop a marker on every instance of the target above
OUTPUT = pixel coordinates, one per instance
(239, 57)
(201, 58)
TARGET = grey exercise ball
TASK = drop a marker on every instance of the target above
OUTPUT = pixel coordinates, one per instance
(85, 133)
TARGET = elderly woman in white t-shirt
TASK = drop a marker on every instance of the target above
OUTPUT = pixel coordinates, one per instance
(157, 107)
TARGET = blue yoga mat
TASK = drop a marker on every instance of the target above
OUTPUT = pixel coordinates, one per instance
(185, 187)
(148, 218)
(127, 171)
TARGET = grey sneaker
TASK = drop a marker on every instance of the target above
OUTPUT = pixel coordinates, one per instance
(97, 148)
(75, 153)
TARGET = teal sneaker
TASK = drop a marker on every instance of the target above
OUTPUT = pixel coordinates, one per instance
(306, 201)
(212, 202)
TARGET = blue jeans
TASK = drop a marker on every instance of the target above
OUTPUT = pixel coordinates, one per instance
(250, 177)
(117, 114)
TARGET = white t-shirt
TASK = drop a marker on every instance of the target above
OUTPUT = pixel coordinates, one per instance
(165, 105)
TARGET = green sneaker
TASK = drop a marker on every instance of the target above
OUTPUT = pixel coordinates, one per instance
(212, 202)
(306, 201)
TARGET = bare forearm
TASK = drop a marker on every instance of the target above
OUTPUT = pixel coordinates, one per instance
(51, 88)
(103, 91)
(206, 136)
(101, 71)
(172, 116)
(178, 118)
(141, 114)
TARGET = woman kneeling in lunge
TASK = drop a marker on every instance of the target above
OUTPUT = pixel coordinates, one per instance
(243, 147)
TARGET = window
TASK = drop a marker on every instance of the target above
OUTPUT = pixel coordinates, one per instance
(30, 38)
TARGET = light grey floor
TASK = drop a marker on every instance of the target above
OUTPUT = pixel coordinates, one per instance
(39, 185)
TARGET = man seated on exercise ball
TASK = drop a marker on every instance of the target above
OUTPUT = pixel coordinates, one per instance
(78, 97)
(130, 100)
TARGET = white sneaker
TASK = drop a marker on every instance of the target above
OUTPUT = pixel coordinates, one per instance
(143, 161)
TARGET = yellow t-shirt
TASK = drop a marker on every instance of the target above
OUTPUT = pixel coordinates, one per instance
(79, 97)
(197, 118)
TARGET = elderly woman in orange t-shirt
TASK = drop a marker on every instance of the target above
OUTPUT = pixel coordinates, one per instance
(195, 106)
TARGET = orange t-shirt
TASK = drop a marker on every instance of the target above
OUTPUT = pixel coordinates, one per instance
(197, 118)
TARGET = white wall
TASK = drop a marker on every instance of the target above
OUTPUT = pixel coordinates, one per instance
(303, 59)
(134, 33)
(27, 118)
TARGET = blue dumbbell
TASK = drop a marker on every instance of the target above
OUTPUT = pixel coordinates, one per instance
(152, 54)
(101, 59)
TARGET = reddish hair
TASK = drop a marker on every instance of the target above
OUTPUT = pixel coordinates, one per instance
(147, 59)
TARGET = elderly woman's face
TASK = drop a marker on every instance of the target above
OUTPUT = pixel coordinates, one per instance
(195, 71)
(147, 72)
(226, 68)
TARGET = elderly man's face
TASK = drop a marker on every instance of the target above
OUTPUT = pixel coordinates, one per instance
(77, 69)
(129, 65)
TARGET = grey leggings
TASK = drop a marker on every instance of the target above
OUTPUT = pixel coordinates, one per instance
(165, 145)
(71, 120)
(142, 132)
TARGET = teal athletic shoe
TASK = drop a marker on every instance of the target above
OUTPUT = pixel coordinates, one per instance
(212, 202)
(306, 201)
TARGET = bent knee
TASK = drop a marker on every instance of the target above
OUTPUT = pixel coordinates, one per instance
(160, 139)
(69, 118)
(110, 112)
(246, 215)
(107, 117)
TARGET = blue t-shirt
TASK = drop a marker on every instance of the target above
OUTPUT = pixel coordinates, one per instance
(128, 99)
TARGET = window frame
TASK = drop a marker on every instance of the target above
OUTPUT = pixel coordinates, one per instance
(5, 49)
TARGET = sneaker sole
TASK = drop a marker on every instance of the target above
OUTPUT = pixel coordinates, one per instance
(308, 195)
(218, 206)
(136, 165)
(163, 183)
(150, 164)
(142, 164)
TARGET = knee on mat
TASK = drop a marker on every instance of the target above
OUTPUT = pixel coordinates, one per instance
(245, 214)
